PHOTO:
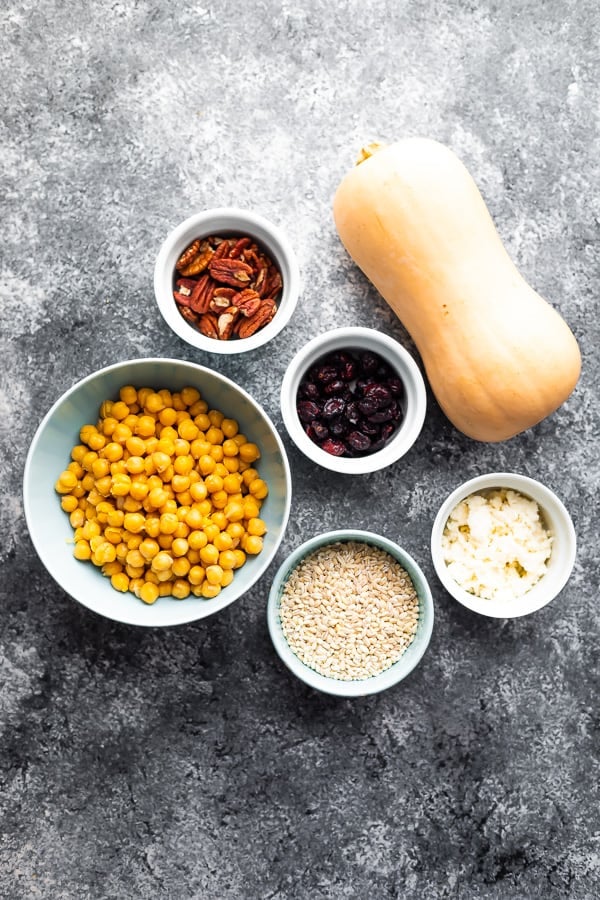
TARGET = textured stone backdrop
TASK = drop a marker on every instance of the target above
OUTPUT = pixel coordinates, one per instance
(188, 763)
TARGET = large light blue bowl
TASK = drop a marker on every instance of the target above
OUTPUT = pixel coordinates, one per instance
(359, 687)
(49, 454)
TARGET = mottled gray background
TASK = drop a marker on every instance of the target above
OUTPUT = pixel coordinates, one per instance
(188, 763)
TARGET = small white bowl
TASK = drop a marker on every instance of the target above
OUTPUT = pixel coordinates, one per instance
(226, 221)
(556, 519)
(359, 687)
(414, 402)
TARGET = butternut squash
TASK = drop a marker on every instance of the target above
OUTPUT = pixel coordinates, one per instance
(498, 357)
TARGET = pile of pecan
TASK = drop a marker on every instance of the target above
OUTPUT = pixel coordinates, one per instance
(226, 287)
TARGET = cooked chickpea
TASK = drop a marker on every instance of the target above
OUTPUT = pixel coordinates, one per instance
(162, 495)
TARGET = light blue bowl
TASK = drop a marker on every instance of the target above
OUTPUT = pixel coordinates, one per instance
(357, 688)
(49, 527)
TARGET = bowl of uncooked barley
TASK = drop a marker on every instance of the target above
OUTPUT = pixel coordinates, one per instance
(350, 613)
(226, 280)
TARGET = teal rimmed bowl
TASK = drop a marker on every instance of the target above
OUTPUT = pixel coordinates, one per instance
(376, 683)
(49, 454)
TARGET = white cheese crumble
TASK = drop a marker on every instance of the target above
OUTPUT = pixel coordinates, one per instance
(495, 544)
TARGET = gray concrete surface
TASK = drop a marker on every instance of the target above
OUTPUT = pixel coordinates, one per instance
(188, 763)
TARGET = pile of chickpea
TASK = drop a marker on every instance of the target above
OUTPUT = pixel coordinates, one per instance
(163, 495)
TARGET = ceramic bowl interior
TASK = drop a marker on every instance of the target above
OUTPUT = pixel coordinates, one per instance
(49, 453)
(414, 402)
(226, 222)
(357, 688)
(556, 519)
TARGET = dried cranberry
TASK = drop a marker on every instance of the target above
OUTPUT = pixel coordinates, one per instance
(325, 373)
(309, 390)
(319, 430)
(370, 428)
(307, 410)
(391, 413)
(337, 386)
(395, 386)
(385, 433)
(367, 406)
(335, 406)
(338, 427)
(369, 362)
(380, 394)
(336, 448)
(358, 440)
(352, 413)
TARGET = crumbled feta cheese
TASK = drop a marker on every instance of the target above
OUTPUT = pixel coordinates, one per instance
(495, 544)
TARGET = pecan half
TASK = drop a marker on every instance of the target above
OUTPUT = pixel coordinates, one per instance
(183, 290)
(230, 271)
(261, 317)
(188, 254)
(199, 261)
(202, 293)
(247, 301)
(226, 321)
(208, 325)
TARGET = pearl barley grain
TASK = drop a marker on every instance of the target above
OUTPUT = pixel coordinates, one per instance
(349, 610)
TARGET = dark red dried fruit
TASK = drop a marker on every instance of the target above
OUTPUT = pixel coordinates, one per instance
(380, 394)
(358, 440)
(357, 398)
(337, 386)
(325, 374)
(307, 410)
(319, 430)
(390, 413)
(338, 427)
(335, 406)
(309, 390)
(369, 362)
(336, 448)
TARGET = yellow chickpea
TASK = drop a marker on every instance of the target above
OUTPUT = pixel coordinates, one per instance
(153, 403)
(214, 574)
(157, 497)
(201, 421)
(209, 591)
(209, 555)
(149, 548)
(162, 562)
(256, 526)
(167, 416)
(199, 491)
(149, 592)
(121, 432)
(196, 575)
(82, 550)
(179, 547)
(180, 589)
(252, 544)
(198, 408)
(240, 558)
(188, 430)
(120, 582)
(197, 540)
(69, 503)
(181, 567)
(227, 559)
(206, 464)
(234, 510)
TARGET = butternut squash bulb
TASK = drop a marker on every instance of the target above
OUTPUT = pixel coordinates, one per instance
(498, 357)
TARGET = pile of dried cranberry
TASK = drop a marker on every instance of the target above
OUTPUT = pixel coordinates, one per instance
(350, 402)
